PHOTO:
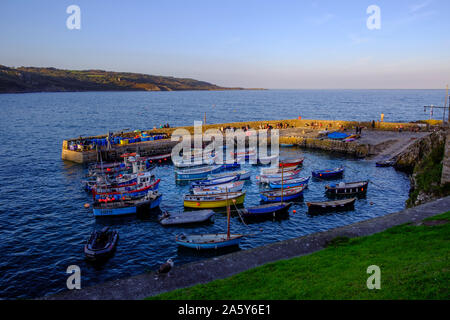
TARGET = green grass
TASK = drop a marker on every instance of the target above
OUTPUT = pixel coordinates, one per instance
(414, 262)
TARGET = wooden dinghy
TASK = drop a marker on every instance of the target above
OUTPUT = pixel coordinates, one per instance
(276, 170)
(347, 188)
(220, 188)
(266, 210)
(328, 173)
(327, 206)
(200, 216)
(208, 241)
(213, 201)
(267, 178)
(291, 162)
(282, 194)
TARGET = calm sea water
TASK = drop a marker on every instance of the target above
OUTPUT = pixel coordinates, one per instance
(44, 225)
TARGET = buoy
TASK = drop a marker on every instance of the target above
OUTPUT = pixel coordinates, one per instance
(294, 211)
(234, 200)
(371, 203)
(87, 205)
(198, 203)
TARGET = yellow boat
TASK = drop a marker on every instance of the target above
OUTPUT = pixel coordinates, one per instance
(218, 200)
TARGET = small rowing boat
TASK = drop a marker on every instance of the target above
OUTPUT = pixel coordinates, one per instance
(289, 183)
(220, 188)
(213, 201)
(282, 194)
(213, 181)
(347, 188)
(266, 210)
(197, 173)
(328, 173)
(267, 178)
(200, 216)
(276, 170)
(240, 174)
(291, 163)
(331, 205)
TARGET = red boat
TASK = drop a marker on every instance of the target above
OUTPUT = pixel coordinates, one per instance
(160, 158)
(152, 186)
(291, 162)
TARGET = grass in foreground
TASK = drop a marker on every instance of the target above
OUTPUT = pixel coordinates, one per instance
(414, 262)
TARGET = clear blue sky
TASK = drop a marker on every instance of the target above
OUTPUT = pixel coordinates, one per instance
(249, 43)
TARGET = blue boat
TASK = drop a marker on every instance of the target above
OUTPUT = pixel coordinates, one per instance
(288, 194)
(271, 209)
(328, 173)
(127, 206)
(229, 166)
(208, 241)
(289, 183)
(197, 173)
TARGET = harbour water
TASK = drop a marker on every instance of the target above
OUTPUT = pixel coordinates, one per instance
(44, 224)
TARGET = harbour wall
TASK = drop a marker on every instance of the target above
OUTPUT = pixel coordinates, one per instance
(446, 162)
(306, 136)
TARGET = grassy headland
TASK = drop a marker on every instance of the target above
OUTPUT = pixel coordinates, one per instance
(414, 263)
(30, 79)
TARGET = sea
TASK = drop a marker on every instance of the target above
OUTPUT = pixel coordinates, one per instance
(44, 224)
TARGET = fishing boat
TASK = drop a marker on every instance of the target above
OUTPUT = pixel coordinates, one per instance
(213, 182)
(267, 159)
(240, 174)
(277, 176)
(197, 173)
(276, 170)
(220, 188)
(143, 179)
(101, 244)
(132, 193)
(291, 162)
(126, 205)
(160, 158)
(289, 183)
(230, 166)
(327, 206)
(194, 162)
(213, 201)
(266, 210)
(282, 194)
(183, 218)
(328, 173)
(211, 241)
(347, 188)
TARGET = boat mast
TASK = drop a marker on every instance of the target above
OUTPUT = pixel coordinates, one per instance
(228, 216)
(282, 181)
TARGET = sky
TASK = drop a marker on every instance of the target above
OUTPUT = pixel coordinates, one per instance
(311, 44)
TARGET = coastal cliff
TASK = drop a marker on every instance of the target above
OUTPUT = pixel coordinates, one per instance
(30, 79)
(424, 160)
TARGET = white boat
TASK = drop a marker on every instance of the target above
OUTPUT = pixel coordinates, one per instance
(196, 173)
(276, 177)
(241, 174)
(220, 188)
(275, 170)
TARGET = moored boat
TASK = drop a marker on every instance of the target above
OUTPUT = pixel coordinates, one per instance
(347, 188)
(282, 194)
(327, 206)
(208, 241)
(267, 178)
(126, 205)
(199, 216)
(328, 173)
(213, 201)
(266, 210)
(213, 181)
(132, 193)
(289, 183)
(101, 244)
(240, 174)
(286, 163)
(276, 170)
(197, 173)
(220, 188)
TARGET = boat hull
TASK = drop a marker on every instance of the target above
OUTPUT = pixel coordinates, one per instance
(209, 241)
(330, 206)
(202, 203)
